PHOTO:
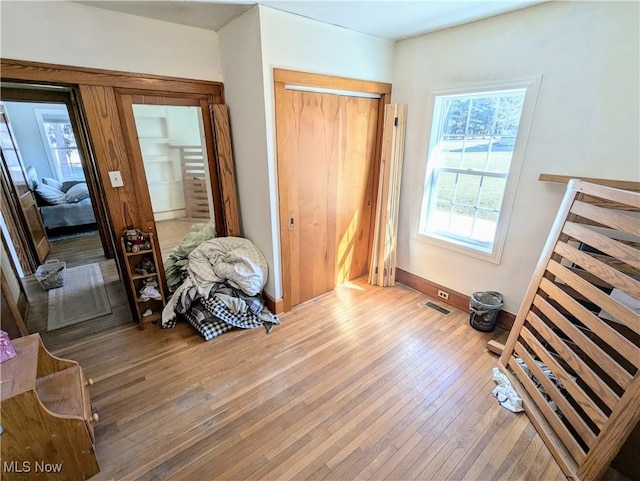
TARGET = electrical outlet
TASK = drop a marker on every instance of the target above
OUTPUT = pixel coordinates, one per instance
(443, 294)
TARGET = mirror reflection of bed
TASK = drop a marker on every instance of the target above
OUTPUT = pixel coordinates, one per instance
(65, 207)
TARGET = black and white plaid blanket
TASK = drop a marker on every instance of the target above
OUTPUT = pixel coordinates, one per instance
(212, 317)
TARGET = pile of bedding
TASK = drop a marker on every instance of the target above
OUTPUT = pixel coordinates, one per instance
(175, 266)
(222, 289)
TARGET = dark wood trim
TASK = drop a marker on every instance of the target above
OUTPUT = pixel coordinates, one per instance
(219, 117)
(23, 301)
(22, 70)
(106, 132)
(96, 190)
(616, 184)
(48, 95)
(217, 186)
(456, 299)
(276, 306)
(91, 175)
(150, 97)
(12, 318)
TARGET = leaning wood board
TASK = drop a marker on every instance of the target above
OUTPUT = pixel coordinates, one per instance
(383, 257)
(577, 318)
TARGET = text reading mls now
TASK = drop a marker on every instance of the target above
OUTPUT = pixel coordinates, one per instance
(29, 467)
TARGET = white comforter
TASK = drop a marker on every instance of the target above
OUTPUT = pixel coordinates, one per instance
(234, 260)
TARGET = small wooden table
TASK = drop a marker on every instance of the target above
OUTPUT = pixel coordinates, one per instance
(47, 423)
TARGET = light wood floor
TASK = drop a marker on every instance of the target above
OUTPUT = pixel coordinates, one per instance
(75, 252)
(86, 250)
(171, 232)
(361, 383)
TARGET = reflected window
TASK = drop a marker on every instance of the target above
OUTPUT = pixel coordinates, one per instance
(62, 150)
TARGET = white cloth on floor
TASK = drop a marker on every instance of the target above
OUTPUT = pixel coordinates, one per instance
(504, 392)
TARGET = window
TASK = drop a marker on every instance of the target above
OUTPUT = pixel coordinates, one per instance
(475, 151)
(60, 144)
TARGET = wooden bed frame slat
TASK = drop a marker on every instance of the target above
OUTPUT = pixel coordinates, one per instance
(585, 401)
(603, 354)
(608, 204)
(549, 414)
(607, 217)
(579, 366)
(605, 272)
(573, 417)
(590, 278)
(605, 332)
(622, 313)
(589, 348)
(605, 244)
(621, 422)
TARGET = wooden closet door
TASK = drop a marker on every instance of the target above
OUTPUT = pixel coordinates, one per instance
(356, 172)
(310, 124)
(326, 150)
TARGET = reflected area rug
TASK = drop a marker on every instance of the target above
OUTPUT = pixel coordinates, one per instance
(82, 297)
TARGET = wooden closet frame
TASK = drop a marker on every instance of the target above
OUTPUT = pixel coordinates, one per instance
(97, 99)
(597, 361)
(281, 77)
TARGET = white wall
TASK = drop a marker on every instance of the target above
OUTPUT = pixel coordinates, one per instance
(586, 122)
(292, 42)
(242, 64)
(72, 34)
(27, 134)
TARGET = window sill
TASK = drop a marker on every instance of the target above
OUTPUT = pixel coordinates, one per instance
(492, 257)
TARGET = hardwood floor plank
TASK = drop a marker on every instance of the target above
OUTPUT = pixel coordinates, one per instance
(361, 383)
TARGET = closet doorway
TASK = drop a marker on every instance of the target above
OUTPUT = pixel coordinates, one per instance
(328, 143)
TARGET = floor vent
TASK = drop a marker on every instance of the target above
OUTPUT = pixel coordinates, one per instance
(438, 308)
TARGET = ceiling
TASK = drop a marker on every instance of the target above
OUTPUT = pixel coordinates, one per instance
(393, 20)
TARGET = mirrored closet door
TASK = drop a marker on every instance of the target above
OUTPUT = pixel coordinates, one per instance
(172, 150)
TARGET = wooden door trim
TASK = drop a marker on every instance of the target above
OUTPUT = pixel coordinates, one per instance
(282, 77)
(125, 99)
(97, 101)
(330, 82)
(91, 175)
(65, 74)
(12, 305)
(219, 116)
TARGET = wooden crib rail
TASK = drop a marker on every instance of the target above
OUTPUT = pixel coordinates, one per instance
(574, 350)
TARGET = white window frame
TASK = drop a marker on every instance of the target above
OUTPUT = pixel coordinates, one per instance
(532, 87)
(47, 115)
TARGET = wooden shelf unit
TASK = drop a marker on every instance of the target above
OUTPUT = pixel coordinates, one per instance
(46, 415)
(136, 281)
